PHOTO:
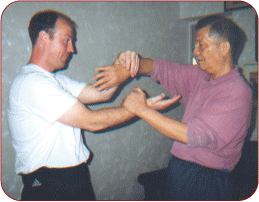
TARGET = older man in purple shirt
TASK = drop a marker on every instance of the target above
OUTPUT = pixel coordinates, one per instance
(217, 113)
(217, 101)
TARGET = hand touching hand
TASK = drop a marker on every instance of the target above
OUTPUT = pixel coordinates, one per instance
(110, 76)
(129, 60)
(125, 65)
(135, 102)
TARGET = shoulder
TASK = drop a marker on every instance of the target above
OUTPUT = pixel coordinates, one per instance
(33, 72)
(238, 87)
(29, 81)
(63, 78)
(235, 93)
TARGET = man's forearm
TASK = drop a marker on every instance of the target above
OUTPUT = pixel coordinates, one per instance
(169, 127)
(108, 117)
(80, 116)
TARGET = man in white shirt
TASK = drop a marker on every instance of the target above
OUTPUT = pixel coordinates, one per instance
(47, 110)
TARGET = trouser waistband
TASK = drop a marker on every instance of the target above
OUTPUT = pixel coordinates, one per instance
(47, 175)
(193, 163)
(70, 183)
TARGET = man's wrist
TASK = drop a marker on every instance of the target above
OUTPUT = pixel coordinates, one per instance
(141, 113)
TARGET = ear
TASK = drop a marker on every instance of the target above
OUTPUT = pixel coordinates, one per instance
(43, 37)
(225, 48)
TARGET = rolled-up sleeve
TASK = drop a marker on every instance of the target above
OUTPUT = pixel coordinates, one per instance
(199, 134)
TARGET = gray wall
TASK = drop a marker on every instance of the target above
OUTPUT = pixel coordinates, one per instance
(195, 9)
(105, 28)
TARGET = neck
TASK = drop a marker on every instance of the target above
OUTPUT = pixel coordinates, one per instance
(39, 58)
(225, 65)
(224, 70)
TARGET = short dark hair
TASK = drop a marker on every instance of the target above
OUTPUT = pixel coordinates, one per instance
(227, 29)
(46, 20)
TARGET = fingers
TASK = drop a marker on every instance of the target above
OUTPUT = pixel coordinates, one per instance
(101, 85)
(98, 76)
(176, 97)
(104, 86)
(158, 97)
(102, 68)
(158, 102)
(137, 92)
(102, 81)
(171, 101)
(134, 66)
(133, 63)
(154, 100)
(102, 73)
(134, 70)
(130, 61)
(121, 61)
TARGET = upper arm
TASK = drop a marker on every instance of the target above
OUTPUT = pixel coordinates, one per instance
(176, 78)
(44, 97)
(221, 120)
(86, 93)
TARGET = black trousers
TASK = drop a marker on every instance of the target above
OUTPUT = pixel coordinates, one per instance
(71, 183)
(190, 181)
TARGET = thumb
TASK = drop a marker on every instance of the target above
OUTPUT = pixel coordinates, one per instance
(158, 97)
(138, 90)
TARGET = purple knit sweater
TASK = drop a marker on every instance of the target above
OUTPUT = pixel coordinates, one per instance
(217, 113)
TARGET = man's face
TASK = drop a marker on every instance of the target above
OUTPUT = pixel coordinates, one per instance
(60, 46)
(208, 53)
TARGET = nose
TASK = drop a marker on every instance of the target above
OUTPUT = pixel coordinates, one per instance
(70, 47)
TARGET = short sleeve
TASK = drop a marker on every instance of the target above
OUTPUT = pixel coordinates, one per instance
(72, 86)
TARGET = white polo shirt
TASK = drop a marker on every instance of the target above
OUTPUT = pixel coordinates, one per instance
(37, 99)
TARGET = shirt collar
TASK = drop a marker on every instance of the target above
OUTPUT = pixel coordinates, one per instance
(33, 67)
